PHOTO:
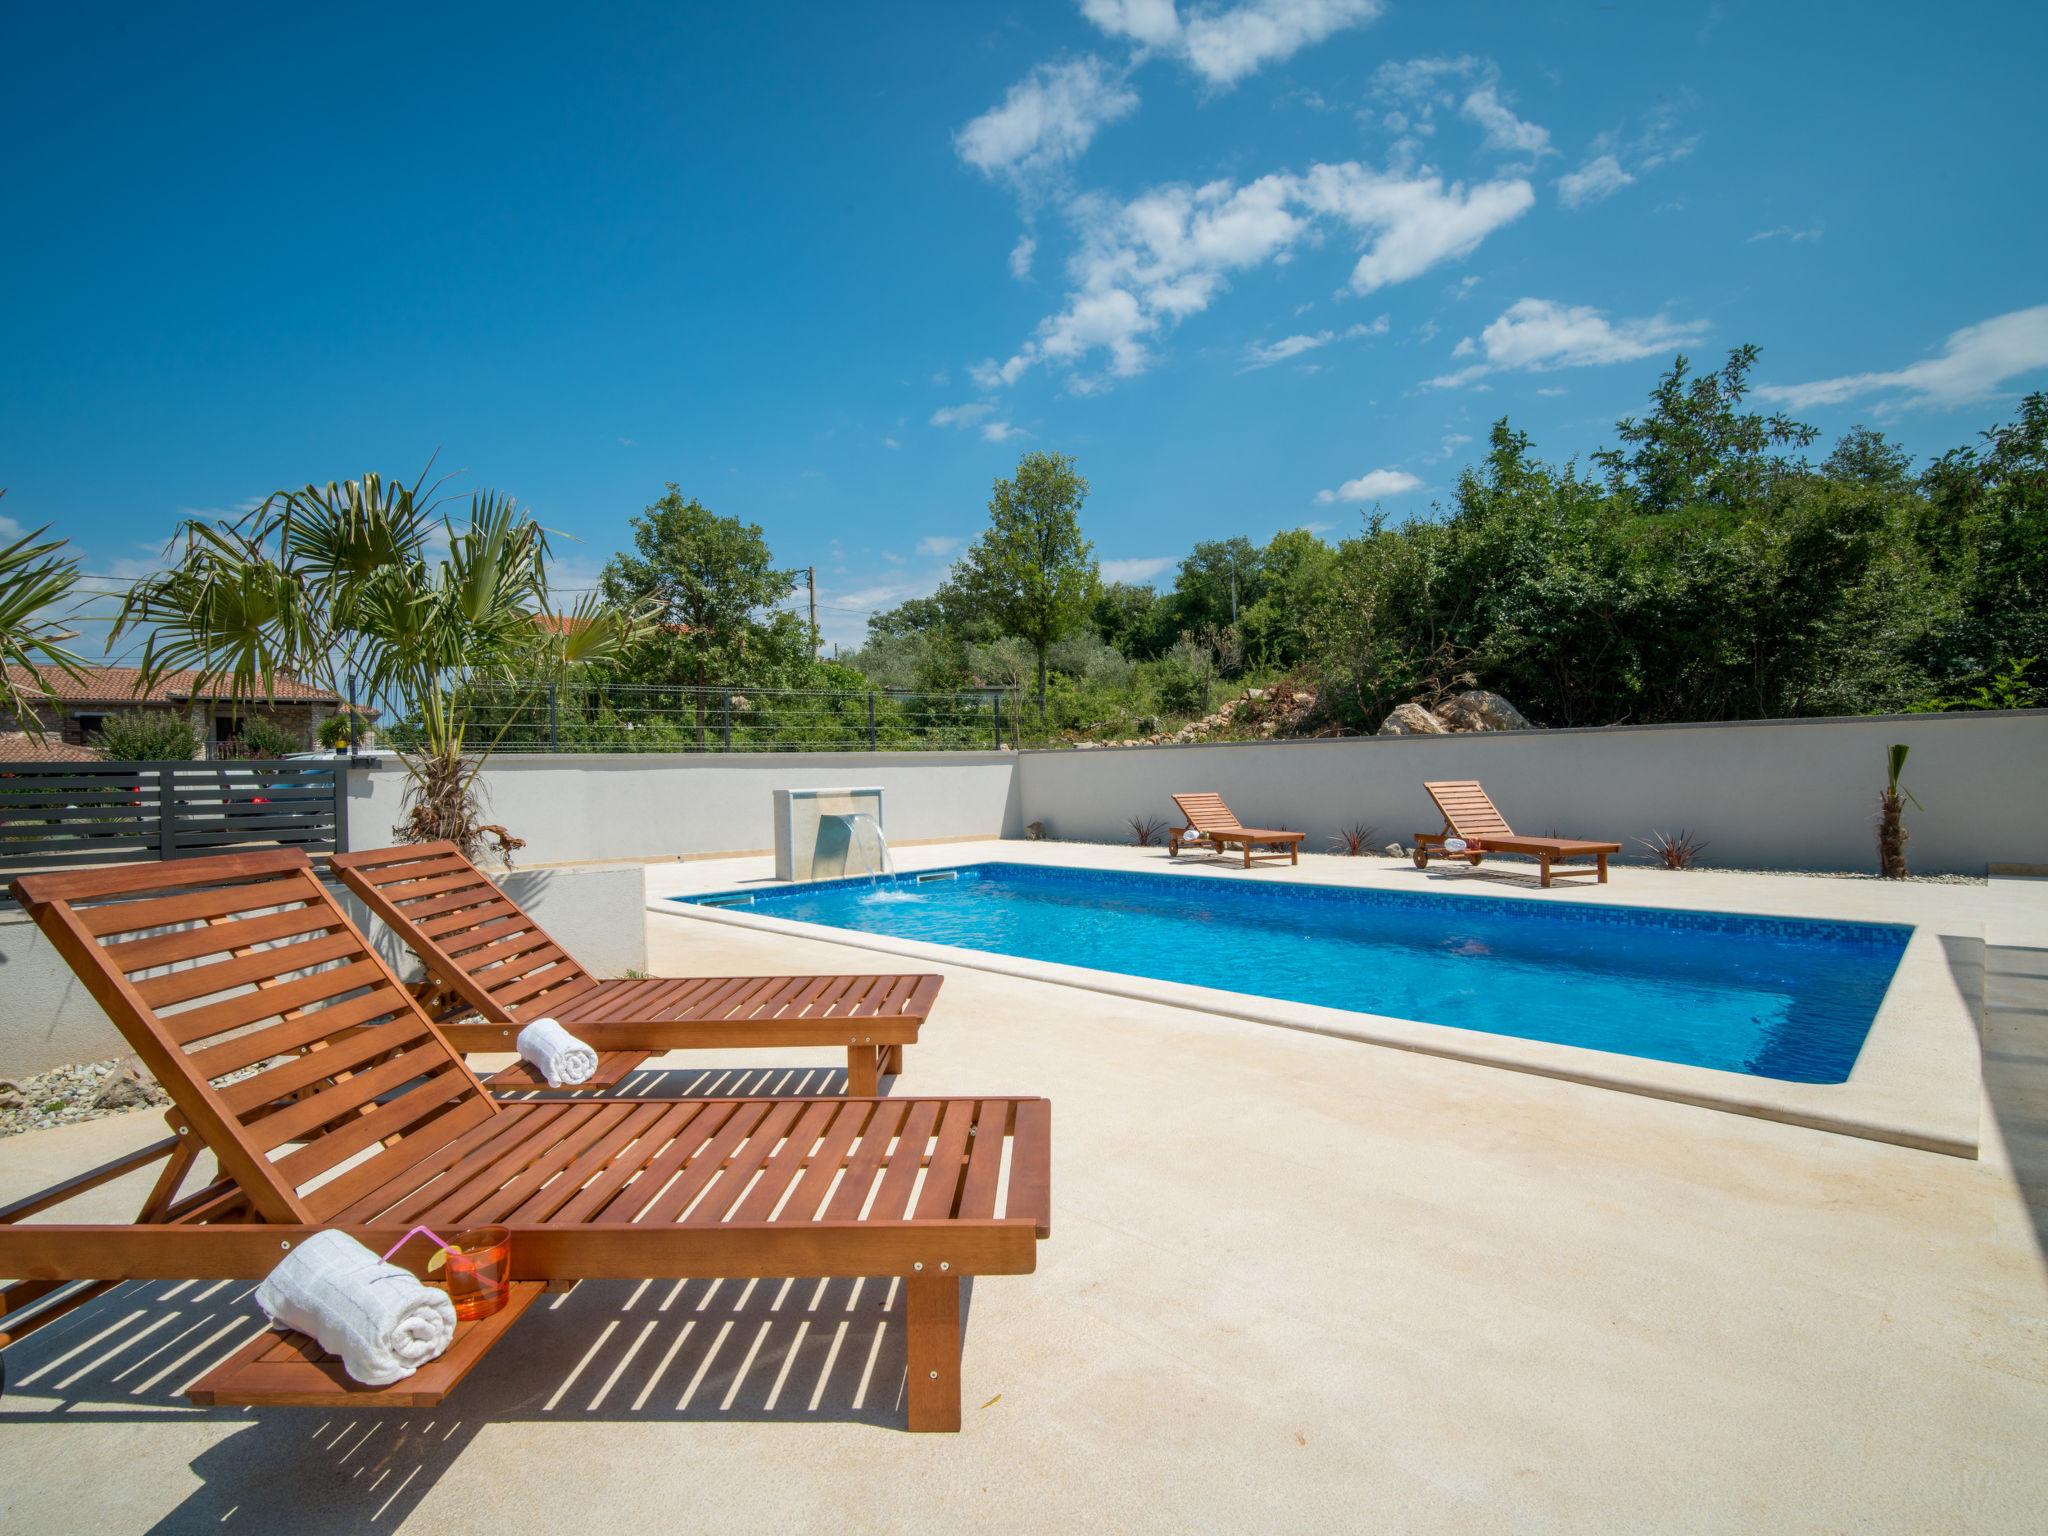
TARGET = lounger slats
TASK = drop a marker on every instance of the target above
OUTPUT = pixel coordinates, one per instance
(940, 1192)
(252, 1007)
(267, 963)
(850, 1199)
(1467, 809)
(718, 1163)
(488, 956)
(298, 1032)
(307, 1069)
(134, 955)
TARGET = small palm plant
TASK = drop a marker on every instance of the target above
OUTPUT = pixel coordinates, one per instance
(1354, 840)
(1145, 828)
(34, 579)
(1675, 850)
(1891, 817)
(364, 581)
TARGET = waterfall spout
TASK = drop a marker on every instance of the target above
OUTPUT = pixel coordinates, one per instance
(865, 833)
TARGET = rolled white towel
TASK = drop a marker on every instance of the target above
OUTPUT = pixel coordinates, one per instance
(383, 1322)
(1455, 845)
(558, 1055)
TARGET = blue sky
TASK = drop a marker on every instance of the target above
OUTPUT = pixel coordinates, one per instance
(832, 268)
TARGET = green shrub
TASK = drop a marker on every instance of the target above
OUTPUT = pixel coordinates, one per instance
(337, 732)
(257, 737)
(146, 736)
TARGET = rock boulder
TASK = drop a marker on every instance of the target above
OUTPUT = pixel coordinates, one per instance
(1412, 720)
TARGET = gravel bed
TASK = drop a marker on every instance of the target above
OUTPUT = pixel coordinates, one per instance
(89, 1090)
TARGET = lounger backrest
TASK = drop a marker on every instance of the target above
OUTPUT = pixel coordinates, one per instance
(244, 963)
(1206, 812)
(1467, 810)
(474, 939)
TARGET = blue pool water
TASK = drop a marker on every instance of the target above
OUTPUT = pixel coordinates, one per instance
(1784, 998)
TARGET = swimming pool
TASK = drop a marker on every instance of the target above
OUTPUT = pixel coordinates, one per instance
(1784, 998)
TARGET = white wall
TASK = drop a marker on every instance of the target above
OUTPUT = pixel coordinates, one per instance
(659, 805)
(1769, 795)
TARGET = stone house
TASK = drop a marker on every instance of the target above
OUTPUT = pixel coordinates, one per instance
(76, 707)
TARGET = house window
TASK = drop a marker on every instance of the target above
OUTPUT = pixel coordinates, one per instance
(80, 729)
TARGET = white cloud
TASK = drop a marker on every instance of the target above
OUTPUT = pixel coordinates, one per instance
(1616, 161)
(1552, 391)
(1047, 120)
(1787, 232)
(890, 442)
(1505, 132)
(937, 547)
(1414, 221)
(1541, 334)
(1971, 365)
(1000, 432)
(1224, 44)
(961, 415)
(1265, 355)
(1419, 88)
(1154, 23)
(1421, 81)
(1143, 569)
(1371, 486)
(1598, 179)
(1021, 254)
(1146, 265)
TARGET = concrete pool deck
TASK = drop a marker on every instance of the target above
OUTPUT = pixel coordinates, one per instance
(1293, 1282)
(1917, 1080)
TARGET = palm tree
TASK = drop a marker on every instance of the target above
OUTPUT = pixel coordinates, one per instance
(365, 580)
(33, 578)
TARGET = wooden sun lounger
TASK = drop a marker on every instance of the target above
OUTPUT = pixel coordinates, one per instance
(493, 969)
(360, 1115)
(1470, 815)
(1220, 830)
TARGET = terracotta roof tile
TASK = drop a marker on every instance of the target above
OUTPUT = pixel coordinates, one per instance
(19, 747)
(117, 685)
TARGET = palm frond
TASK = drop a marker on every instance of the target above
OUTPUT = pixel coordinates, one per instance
(33, 579)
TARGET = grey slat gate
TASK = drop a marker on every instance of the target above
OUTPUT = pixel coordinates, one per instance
(61, 815)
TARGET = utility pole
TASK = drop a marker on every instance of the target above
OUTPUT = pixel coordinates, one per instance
(811, 576)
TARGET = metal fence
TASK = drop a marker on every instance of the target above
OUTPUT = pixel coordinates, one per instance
(60, 815)
(635, 718)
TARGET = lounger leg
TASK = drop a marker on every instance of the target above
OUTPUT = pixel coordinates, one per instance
(1247, 855)
(931, 1322)
(1543, 859)
(1603, 869)
(892, 1060)
(862, 1080)
(1294, 854)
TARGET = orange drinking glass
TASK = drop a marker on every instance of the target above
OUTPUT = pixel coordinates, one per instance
(476, 1266)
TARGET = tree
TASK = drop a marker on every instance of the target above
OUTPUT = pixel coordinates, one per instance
(1987, 525)
(34, 577)
(1031, 570)
(710, 585)
(350, 581)
(1296, 570)
(1125, 615)
(1696, 445)
(1219, 579)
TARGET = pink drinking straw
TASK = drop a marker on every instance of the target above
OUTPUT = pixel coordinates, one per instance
(416, 1232)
